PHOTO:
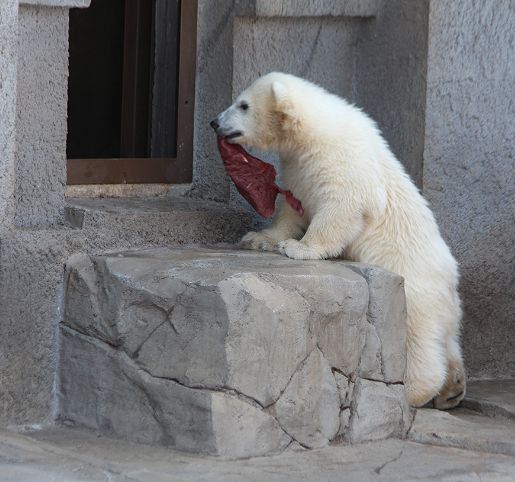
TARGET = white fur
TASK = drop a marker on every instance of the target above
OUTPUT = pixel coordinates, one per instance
(358, 202)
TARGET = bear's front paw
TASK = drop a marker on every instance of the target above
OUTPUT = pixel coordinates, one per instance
(297, 250)
(258, 242)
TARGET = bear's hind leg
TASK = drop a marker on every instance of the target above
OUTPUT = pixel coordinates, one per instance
(426, 367)
(453, 390)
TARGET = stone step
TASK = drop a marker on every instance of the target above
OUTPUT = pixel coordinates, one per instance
(174, 219)
(78, 455)
(232, 353)
(485, 421)
(494, 398)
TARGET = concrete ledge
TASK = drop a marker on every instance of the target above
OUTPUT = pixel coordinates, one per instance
(230, 353)
(465, 429)
(494, 398)
(320, 8)
(76, 455)
(56, 3)
(180, 215)
(485, 421)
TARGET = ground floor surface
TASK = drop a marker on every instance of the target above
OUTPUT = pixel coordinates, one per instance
(473, 443)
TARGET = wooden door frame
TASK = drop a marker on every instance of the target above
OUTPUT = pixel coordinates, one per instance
(176, 170)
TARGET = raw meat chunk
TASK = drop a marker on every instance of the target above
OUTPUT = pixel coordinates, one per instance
(254, 179)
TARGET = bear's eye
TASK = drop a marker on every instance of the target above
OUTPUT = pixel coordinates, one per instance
(244, 106)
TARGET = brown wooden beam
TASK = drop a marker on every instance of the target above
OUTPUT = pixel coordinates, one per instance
(186, 86)
(125, 171)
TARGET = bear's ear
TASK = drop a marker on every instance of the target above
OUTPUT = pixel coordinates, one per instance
(280, 94)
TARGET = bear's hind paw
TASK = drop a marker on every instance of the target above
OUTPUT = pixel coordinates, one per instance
(258, 242)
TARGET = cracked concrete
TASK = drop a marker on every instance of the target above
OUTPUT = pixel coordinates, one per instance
(69, 454)
(276, 346)
(485, 421)
(64, 454)
(492, 398)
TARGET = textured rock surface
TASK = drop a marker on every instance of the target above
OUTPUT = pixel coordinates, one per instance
(234, 353)
(104, 389)
(468, 168)
(384, 355)
(8, 29)
(71, 455)
(464, 429)
(309, 408)
(485, 420)
(308, 8)
(376, 411)
(492, 397)
(41, 120)
(57, 3)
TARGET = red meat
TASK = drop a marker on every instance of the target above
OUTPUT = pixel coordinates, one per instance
(254, 179)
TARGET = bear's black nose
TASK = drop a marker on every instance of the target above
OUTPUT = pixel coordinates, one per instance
(214, 124)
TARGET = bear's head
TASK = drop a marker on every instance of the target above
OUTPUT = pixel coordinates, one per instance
(262, 116)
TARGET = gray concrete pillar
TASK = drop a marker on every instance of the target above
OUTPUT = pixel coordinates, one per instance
(41, 129)
(213, 90)
(8, 26)
(469, 165)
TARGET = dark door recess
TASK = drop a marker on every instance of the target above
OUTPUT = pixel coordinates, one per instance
(131, 92)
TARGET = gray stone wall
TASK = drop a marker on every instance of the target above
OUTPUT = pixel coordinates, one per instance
(8, 55)
(469, 167)
(213, 91)
(391, 69)
(41, 115)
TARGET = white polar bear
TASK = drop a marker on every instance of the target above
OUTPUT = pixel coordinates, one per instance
(358, 201)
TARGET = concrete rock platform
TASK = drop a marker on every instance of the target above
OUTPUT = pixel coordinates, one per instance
(71, 455)
(485, 421)
(232, 353)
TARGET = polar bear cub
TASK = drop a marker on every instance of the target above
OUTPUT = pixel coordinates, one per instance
(359, 202)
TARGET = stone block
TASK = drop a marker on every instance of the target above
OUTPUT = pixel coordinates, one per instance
(217, 351)
(465, 429)
(379, 411)
(309, 408)
(112, 394)
(385, 348)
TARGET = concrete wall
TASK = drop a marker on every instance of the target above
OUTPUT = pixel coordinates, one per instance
(213, 90)
(8, 56)
(41, 115)
(391, 77)
(469, 167)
